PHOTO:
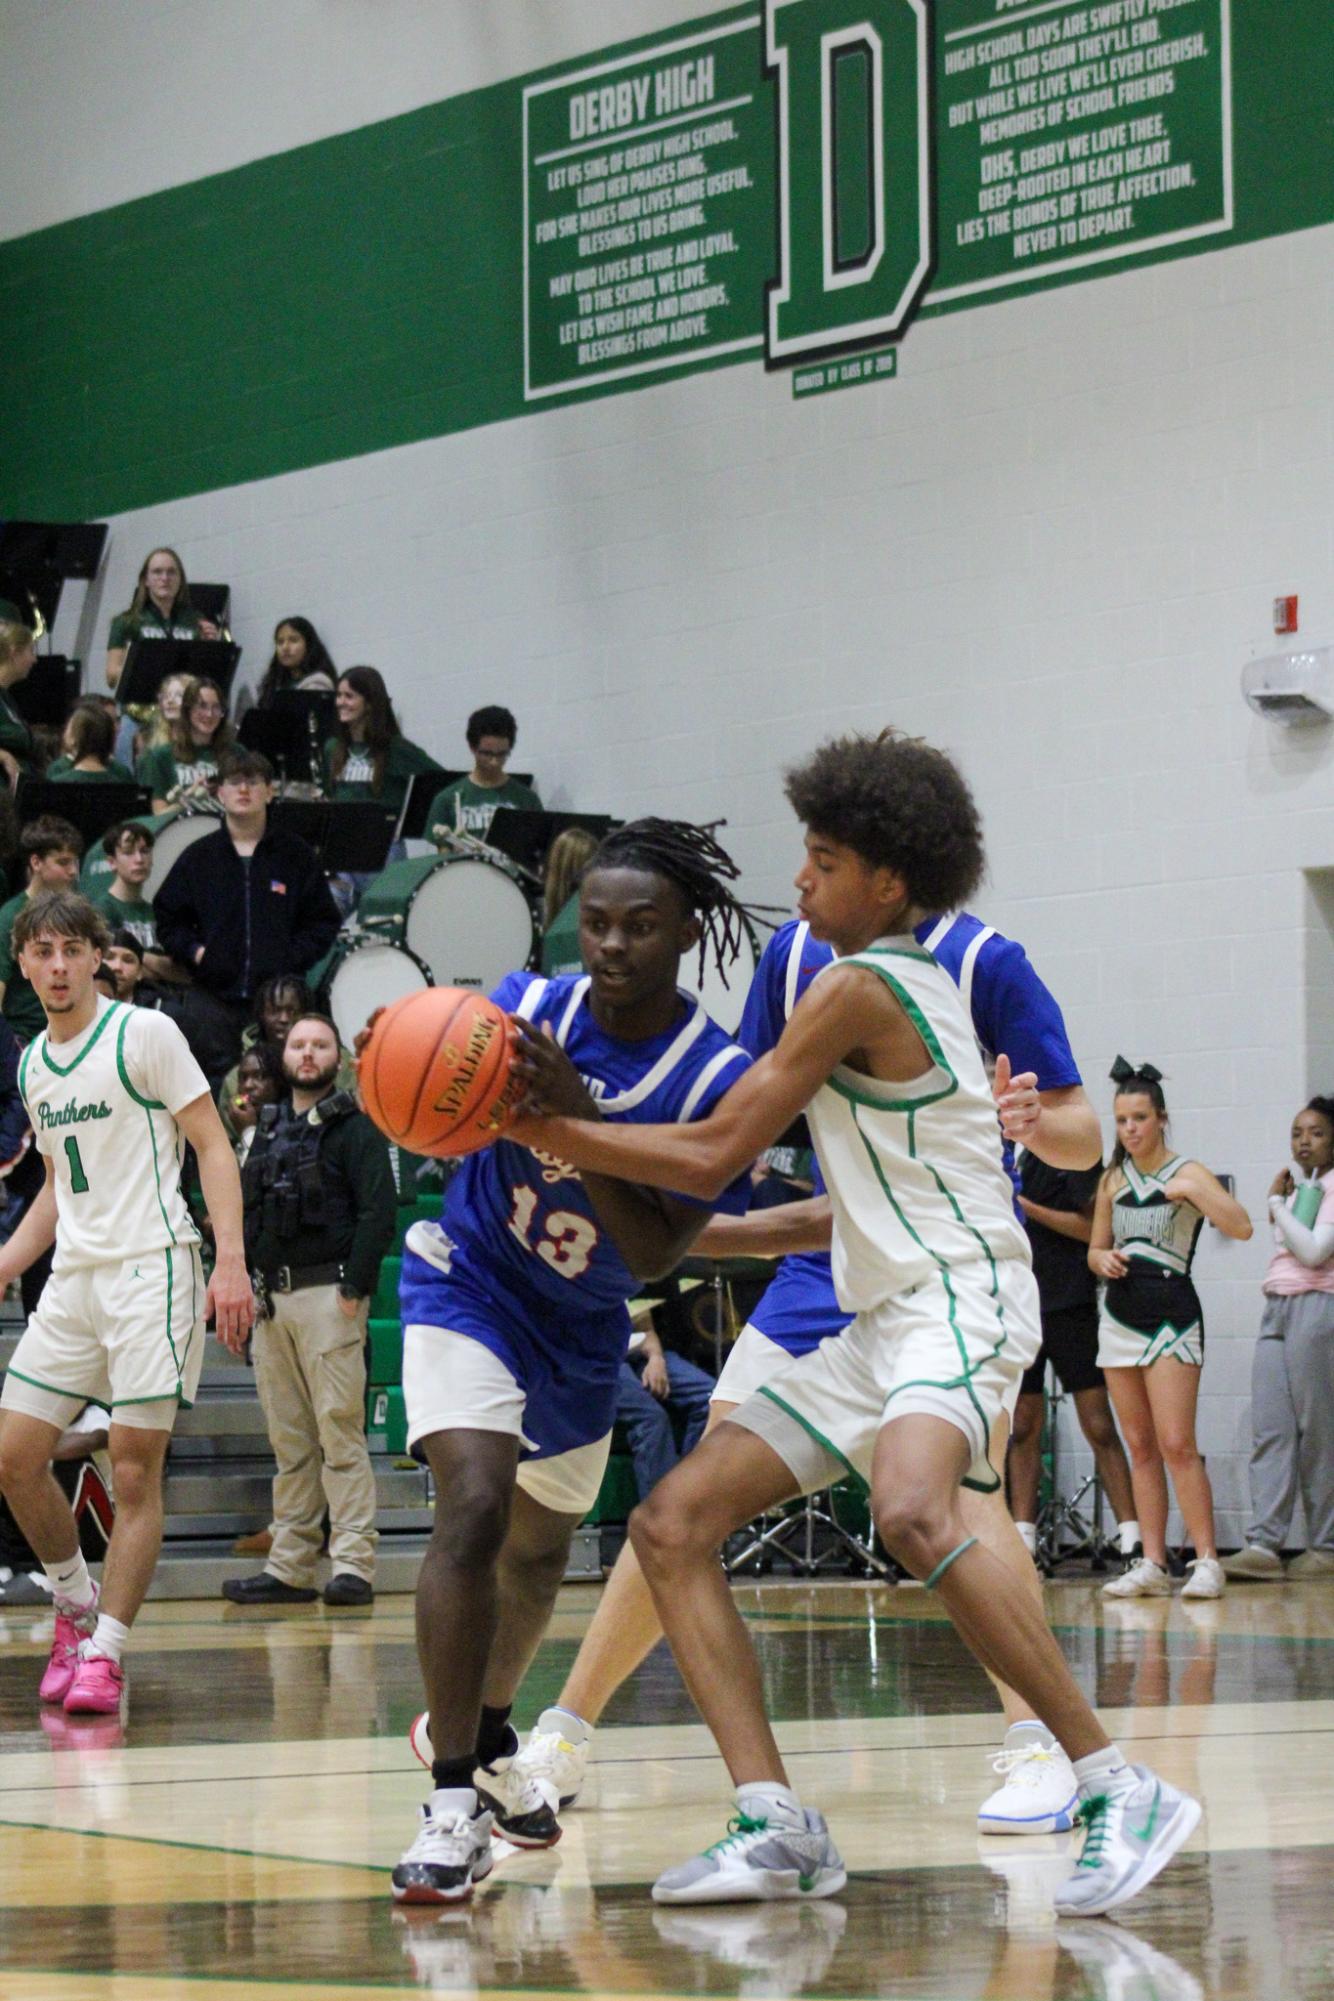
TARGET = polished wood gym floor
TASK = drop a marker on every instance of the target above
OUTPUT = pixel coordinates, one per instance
(234, 1839)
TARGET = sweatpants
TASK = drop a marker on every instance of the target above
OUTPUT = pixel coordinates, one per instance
(1292, 1420)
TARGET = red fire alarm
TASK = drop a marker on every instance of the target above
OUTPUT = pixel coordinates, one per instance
(1285, 614)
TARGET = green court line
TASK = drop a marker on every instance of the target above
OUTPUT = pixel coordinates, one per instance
(199, 1847)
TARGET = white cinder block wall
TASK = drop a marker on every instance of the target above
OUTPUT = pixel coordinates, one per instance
(1050, 545)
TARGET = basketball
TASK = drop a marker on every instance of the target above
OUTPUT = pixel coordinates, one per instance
(437, 1074)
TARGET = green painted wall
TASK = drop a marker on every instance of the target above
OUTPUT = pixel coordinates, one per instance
(368, 291)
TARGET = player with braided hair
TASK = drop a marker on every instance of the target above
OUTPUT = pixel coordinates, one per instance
(515, 1326)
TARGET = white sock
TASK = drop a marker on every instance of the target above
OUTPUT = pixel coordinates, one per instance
(1108, 1764)
(1028, 1535)
(765, 1799)
(109, 1637)
(571, 1725)
(1127, 1535)
(448, 1802)
(1029, 1725)
(70, 1581)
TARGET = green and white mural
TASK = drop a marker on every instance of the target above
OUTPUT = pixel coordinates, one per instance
(775, 185)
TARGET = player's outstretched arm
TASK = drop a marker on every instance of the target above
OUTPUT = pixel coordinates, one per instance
(770, 1233)
(847, 1008)
(230, 1299)
(35, 1234)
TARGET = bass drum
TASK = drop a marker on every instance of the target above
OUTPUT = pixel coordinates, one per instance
(173, 833)
(724, 1003)
(363, 973)
(466, 917)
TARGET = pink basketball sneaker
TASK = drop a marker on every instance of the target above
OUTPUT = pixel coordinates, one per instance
(71, 1627)
(97, 1687)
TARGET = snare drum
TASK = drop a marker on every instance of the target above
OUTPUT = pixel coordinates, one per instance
(723, 1003)
(467, 917)
(362, 973)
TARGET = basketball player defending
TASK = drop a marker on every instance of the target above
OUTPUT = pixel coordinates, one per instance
(930, 1258)
(515, 1328)
(1015, 1019)
(113, 1094)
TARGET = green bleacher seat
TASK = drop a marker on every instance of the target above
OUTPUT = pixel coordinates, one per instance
(386, 1354)
(384, 1300)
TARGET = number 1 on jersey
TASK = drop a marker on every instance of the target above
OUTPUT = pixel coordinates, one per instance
(78, 1180)
(567, 1242)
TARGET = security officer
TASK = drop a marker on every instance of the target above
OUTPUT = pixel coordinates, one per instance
(319, 1217)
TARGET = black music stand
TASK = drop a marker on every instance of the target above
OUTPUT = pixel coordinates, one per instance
(291, 732)
(90, 808)
(49, 692)
(212, 601)
(524, 834)
(149, 662)
(38, 557)
(417, 800)
(351, 837)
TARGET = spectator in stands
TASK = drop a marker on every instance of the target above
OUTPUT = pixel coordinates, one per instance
(87, 745)
(663, 1402)
(166, 711)
(1292, 1373)
(468, 804)
(187, 763)
(18, 656)
(159, 609)
(51, 849)
(320, 1207)
(123, 960)
(300, 660)
(247, 902)
(567, 858)
(368, 756)
(278, 1002)
(260, 1080)
(128, 846)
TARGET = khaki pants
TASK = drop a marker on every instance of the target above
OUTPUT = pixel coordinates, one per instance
(310, 1369)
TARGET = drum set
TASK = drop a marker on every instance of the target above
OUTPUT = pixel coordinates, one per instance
(464, 918)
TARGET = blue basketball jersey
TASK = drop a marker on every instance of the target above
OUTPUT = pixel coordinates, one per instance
(519, 1260)
(1012, 1014)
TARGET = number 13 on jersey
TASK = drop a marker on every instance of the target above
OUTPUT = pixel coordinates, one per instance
(567, 1240)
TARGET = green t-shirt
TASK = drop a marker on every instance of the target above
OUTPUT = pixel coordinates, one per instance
(469, 808)
(15, 736)
(61, 772)
(137, 918)
(165, 776)
(560, 941)
(403, 760)
(182, 623)
(22, 1009)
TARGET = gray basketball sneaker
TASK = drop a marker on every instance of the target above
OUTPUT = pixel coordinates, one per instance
(758, 1860)
(1133, 1826)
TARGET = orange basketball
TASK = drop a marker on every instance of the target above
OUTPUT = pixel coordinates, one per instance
(437, 1074)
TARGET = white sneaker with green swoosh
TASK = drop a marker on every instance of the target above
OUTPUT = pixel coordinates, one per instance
(759, 1860)
(1134, 1824)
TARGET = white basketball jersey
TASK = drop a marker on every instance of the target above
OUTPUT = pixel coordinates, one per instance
(101, 1108)
(914, 1170)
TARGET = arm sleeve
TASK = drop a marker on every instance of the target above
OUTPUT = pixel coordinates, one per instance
(372, 1181)
(1311, 1247)
(1015, 1015)
(158, 1059)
